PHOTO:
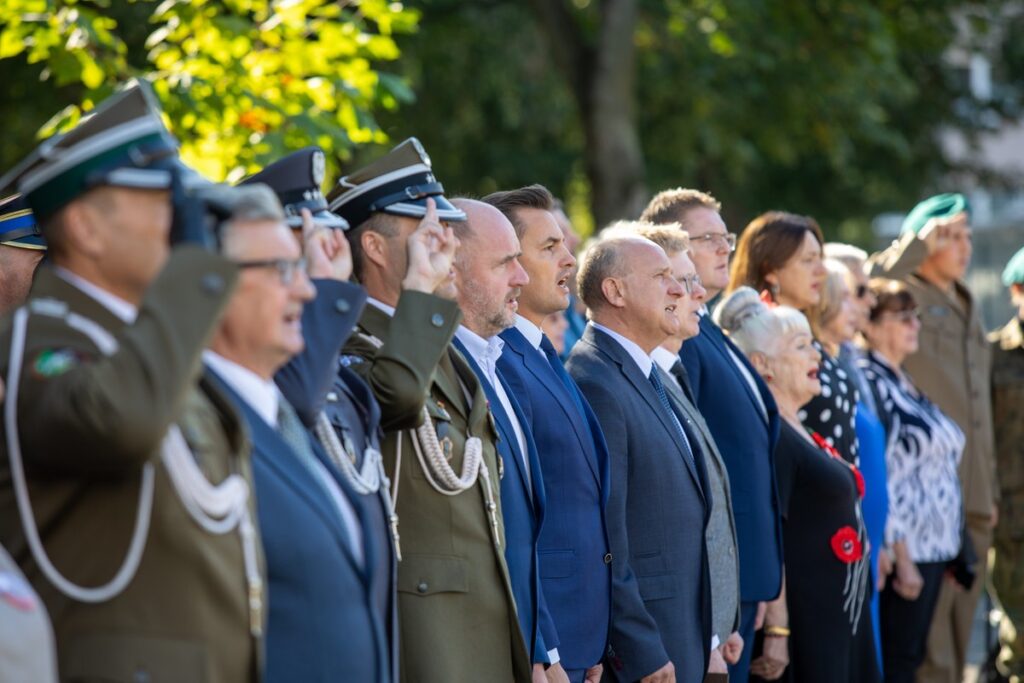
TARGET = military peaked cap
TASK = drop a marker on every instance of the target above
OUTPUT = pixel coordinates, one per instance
(122, 142)
(296, 179)
(398, 183)
(18, 227)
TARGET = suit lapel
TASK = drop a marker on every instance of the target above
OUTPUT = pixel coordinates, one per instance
(278, 456)
(535, 364)
(631, 371)
(723, 346)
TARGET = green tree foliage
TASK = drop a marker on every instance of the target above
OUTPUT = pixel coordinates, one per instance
(242, 81)
(829, 107)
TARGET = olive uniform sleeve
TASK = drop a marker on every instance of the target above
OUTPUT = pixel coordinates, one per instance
(96, 415)
(401, 370)
(899, 259)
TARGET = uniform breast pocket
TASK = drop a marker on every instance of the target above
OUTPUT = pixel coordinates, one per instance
(425, 575)
(132, 658)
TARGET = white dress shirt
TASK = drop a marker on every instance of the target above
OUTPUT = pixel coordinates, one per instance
(643, 360)
(263, 397)
(533, 334)
(381, 306)
(486, 353)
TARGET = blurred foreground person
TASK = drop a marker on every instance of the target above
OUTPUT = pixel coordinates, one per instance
(127, 481)
(22, 247)
(456, 609)
(951, 367)
(923, 449)
(659, 505)
(822, 614)
(728, 391)
(1008, 417)
(575, 568)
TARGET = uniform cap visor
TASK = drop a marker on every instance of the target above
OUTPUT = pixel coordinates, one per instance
(417, 208)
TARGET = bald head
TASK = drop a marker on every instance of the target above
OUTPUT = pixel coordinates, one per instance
(488, 275)
(607, 258)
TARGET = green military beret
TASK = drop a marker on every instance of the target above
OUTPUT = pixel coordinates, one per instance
(939, 206)
(1013, 274)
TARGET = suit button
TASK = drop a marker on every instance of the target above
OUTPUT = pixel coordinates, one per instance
(437, 320)
(342, 306)
(422, 587)
(607, 558)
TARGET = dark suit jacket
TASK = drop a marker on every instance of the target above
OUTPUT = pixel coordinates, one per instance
(315, 381)
(322, 624)
(573, 541)
(747, 444)
(657, 515)
(522, 507)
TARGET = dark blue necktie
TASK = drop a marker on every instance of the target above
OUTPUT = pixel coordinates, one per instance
(659, 389)
(556, 366)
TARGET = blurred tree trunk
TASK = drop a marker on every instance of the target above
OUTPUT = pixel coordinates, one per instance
(598, 62)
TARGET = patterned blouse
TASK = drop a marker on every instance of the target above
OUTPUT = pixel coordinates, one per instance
(833, 412)
(922, 454)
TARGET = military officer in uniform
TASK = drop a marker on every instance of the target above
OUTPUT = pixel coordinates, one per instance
(951, 368)
(21, 249)
(456, 610)
(124, 479)
(1008, 418)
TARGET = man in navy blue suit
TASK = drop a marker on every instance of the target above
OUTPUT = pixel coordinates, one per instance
(488, 279)
(573, 546)
(729, 392)
(320, 552)
(659, 502)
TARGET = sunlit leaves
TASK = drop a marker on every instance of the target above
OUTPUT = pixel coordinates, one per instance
(242, 81)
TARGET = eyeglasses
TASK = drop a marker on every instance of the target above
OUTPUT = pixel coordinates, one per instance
(716, 239)
(906, 316)
(286, 269)
(690, 283)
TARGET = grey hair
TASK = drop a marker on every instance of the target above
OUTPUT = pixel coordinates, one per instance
(248, 203)
(753, 326)
(601, 260)
(850, 256)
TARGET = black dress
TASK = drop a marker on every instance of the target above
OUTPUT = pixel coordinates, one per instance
(827, 597)
(833, 412)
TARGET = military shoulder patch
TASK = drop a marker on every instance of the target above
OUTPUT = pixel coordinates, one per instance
(54, 362)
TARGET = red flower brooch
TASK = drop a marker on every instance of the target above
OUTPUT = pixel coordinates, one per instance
(847, 546)
(831, 450)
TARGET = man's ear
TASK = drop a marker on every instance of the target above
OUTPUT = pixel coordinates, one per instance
(614, 293)
(81, 228)
(375, 247)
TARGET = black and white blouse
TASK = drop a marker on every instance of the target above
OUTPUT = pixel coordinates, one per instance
(922, 454)
(833, 412)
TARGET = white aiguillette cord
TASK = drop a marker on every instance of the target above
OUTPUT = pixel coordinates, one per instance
(216, 509)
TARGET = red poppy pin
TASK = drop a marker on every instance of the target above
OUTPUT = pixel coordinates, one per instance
(846, 545)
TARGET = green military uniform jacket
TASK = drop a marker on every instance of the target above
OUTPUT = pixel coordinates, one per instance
(88, 423)
(951, 366)
(1008, 419)
(456, 612)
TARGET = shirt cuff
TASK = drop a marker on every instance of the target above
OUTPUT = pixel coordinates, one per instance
(553, 657)
(715, 642)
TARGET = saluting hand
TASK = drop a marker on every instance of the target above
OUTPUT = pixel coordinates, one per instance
(431, 250)
(936, 234)
(328, 255)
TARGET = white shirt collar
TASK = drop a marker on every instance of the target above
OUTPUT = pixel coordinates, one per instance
(380, 305)
(485, 352)
(533, 334)
(127, 312)
(261, 395)
(664, 358)
(642, 360)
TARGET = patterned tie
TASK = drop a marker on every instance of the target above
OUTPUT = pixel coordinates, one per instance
(291, 429)
(678, 371)
(556, 365)
(659, 389)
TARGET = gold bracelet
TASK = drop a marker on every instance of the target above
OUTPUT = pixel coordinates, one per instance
(776, 632)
